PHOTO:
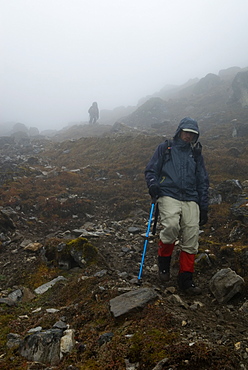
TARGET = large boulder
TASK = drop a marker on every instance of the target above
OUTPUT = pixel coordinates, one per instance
(42, 347)
(132, 300)
(229, 190)
(225, 284)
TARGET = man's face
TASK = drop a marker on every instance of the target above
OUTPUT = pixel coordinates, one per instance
(187, 136)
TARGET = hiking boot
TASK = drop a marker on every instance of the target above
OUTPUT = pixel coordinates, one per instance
(186, 284)
(164, 277)
(164, 268)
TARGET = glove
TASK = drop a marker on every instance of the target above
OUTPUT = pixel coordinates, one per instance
(203, 217)
(154, 190)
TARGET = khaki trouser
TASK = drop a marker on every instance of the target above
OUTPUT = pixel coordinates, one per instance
(179, 218)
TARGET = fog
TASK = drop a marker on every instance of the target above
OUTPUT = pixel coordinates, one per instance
(58, 56)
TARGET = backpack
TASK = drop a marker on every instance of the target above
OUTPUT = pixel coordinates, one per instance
(196, 150)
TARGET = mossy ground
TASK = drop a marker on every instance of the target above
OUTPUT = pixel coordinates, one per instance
(154, 332)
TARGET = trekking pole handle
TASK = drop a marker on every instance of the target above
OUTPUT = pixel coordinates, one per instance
(154, 200)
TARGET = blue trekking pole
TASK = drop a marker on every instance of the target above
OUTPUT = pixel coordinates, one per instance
(146, 240)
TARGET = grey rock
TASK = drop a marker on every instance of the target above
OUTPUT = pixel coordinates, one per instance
(13, 340)
(160, 364)
(60, 325)
(225, 284)
(43, 288)
(16, 295)
(133, 230)
(42, 347)
(105, 338)
(37, 329)
(244, 307)
(129, 301)
(84, 233)
(175, 299)
(9, 302)
(101, 273)
(67, 342)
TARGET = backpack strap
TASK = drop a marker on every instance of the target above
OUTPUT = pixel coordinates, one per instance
(167, 151)
(197, 150)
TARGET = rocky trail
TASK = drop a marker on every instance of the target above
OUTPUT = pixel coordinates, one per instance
(69, 297)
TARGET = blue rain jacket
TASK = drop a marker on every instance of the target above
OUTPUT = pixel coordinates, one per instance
(180, 175)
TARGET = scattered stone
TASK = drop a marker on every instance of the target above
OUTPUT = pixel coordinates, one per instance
(105, 338)
(60, 325)
(244, 307)
(101, 273)
(67, 342)
(43, 288)
(125, 249)
(131, 366)
(37, 310)
(122, 275)
(15, 296)
(175, 299)
(203, 257)
(225, 284)
(33, 247)
(133, 230)
(160, 365)
(154, 268)
(52, 310)
(25, 242)
(170, 289)
(237, 346)
(134, 281)
(23, 317)
(196, 305)
(84, 233)
(9, 302)
(35, 330)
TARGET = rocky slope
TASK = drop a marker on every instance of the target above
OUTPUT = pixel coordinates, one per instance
(77, 211)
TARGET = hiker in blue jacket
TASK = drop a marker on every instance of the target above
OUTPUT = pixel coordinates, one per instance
(176, 176)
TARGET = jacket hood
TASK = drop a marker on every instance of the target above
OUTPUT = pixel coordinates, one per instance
(187, 123)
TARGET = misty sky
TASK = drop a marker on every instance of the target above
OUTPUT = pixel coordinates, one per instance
(58, 56)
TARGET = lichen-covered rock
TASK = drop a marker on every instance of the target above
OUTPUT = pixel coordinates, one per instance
(68, 254)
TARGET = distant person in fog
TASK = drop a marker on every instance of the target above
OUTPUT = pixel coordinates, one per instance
(94, 113)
